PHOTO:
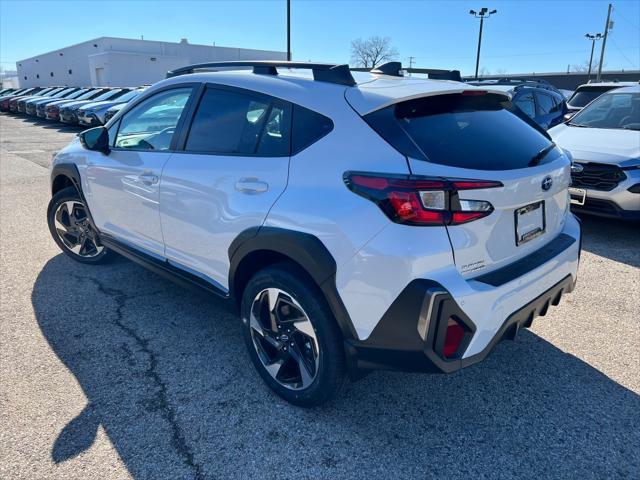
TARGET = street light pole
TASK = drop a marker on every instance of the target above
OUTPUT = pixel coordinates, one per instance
(289, 30)
(482, 14)
(593, 39)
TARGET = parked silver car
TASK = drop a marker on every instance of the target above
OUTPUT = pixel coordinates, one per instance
(604, 139)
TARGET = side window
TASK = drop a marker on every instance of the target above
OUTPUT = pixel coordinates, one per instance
(151, 124)
(525, 103)
(557, 104)
(228, 122)
(545, 103)
(276, 135)
(308, 128)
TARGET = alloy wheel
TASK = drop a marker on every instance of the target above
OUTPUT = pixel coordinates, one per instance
(73, 228)
(284, 339)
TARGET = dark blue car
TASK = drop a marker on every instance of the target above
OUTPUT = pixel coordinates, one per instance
(538, 99)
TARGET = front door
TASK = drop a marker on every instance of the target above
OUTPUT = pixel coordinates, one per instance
(233, 168)
(124, 186)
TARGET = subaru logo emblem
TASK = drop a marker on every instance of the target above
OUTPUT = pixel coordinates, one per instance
(546, 183)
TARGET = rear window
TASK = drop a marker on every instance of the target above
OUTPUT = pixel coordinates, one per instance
(483, 132)
(586, 95)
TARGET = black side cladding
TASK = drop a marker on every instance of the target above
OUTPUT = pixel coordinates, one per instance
(304, 249)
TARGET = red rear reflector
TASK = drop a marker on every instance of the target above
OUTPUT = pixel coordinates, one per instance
(453, 338)
(464, 217)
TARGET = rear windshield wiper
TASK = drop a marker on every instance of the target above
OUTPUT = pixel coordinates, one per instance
(537, 158)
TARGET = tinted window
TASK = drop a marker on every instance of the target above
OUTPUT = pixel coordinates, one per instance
(275, 140)
(129, 95)
(525, 103)
(544, 102)
(90, 94)
(77, 93)
(479, 132)
(557, 104)
(227, 122)
(109, 94)
(64, 92)
(585, 95)
(151, 124)
(308, 128)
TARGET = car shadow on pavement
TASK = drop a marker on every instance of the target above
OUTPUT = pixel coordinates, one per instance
(53, 125)
(614, 239)
(165, 373)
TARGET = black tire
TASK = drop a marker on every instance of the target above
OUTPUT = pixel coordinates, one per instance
(330, 368)
(91, 251)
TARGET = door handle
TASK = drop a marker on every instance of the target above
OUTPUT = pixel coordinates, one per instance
(148, 178)
(251, 185)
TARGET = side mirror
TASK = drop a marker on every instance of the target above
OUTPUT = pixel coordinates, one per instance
(96, 139)
(568, 116)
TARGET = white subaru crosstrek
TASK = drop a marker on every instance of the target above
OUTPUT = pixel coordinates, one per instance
(359, 220)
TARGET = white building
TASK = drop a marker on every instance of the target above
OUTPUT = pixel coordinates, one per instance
(123, 62)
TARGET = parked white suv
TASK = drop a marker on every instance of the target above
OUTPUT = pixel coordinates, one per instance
(359, 221)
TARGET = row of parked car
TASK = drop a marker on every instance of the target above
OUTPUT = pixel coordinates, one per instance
(599, 128)
(86, 106)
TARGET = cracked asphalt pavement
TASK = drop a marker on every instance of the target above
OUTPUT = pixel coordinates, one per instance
(111, 372)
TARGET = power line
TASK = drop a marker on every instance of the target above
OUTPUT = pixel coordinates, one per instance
(617, 13)
(514, 55)
(635, 65)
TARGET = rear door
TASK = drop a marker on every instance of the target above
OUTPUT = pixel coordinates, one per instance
(233, 167)
(483, 137)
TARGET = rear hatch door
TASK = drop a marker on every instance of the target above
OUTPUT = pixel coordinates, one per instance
(482, 136)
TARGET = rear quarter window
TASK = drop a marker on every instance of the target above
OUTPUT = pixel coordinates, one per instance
(308, 128)
(485, 132)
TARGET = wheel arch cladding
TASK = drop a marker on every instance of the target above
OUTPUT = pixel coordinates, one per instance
(65, 175)
(259, 247)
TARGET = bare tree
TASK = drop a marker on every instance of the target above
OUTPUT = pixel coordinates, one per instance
(484, 72)
(584, 67)
(372, 52)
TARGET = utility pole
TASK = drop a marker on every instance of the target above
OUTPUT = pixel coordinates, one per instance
(604, 42)
(482, 14)
(289, 30)
(593, 39)
(410, 64)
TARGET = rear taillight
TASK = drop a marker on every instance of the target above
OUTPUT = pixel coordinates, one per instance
(421, 201)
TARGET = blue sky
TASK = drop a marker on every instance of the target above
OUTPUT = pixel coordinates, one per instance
(523, 37)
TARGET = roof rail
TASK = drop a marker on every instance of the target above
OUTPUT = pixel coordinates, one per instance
(322, 72)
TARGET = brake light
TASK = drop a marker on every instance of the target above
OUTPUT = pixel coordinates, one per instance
(474, 93)
(421, 201)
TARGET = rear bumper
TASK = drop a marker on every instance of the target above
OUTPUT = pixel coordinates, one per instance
(491, 307)
(398, 343)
